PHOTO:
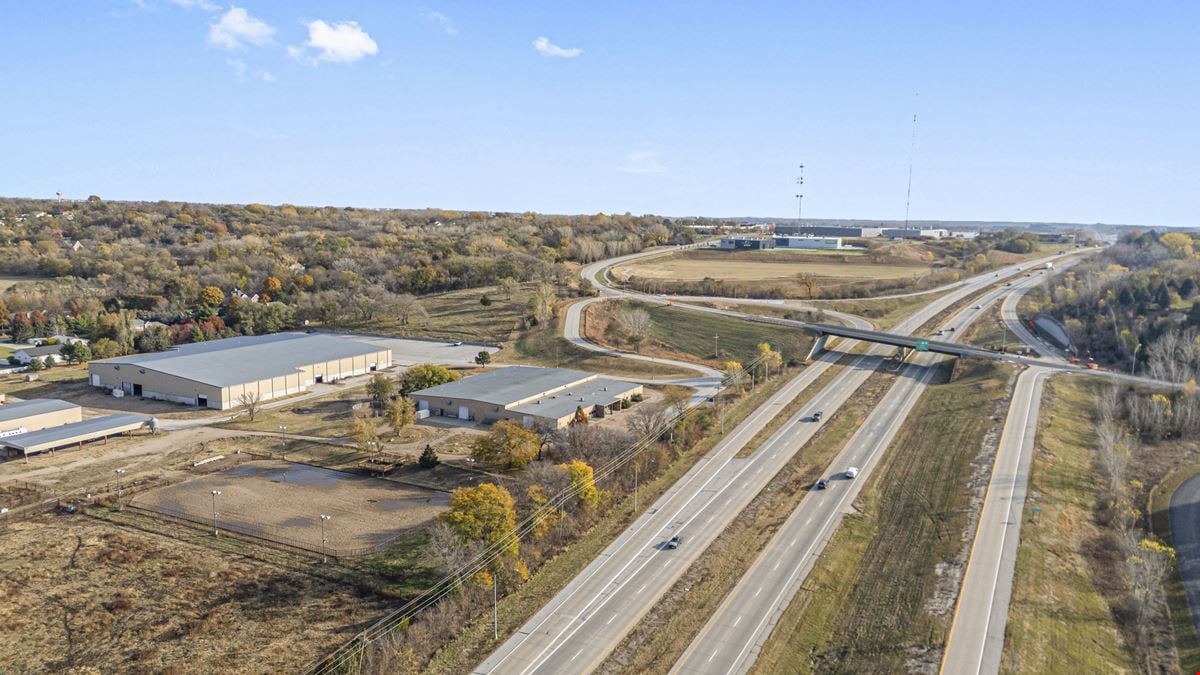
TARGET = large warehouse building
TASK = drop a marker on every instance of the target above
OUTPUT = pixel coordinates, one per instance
(533, 396)
(217, 374)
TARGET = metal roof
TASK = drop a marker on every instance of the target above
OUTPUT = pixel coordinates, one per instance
(42, 350)
(248, 358)
(601, 391)
(509, 386)
(85, 430)
(34, 406)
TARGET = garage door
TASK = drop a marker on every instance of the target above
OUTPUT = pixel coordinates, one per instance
(422, 404)
(463, 413)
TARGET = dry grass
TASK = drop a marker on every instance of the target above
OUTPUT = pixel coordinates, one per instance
(277, 499)
(764, 266)
(1058, 618)
(81, 596)
(879, 597)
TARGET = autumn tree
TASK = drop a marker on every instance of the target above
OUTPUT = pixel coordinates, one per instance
(365, 433)
(581, 416)
(400, 414)
(381, 387)
(734, 375)
(212, 296)
(582, 483)
(484, 513)
(508, 443)
(542, 303)
(425, 375)
(769, 358)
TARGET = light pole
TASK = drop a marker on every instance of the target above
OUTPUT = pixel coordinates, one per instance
(120, 472)
(800, 197)
(282, 438)
(1003, 336)
(324, 558)
(635, 487)
(495, 610)
(1133, 366)
(215, 494)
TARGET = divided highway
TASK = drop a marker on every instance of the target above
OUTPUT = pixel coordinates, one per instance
(733, 637)
(588, 618)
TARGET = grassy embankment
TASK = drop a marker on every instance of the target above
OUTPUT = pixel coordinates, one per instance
(878, 598)
(1187, 644)
(1058, 618)
(689, 335)
(475, 641)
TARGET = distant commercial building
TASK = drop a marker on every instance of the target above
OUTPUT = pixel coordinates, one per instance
(964, 234)
(824, 243)
(828, 231)
(915, 233)
(36, 414)
(747, 243)
(217, 374)
(533, 396)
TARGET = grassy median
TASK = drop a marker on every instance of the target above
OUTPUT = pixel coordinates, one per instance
(880, 597)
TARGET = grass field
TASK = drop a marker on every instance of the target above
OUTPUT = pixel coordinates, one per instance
(1187, 643)
(81, 595)
(549, 348)
(696, 265)
(689, 335)
(880, 597)
(459, 315)
(884, 314)
(1058, 619)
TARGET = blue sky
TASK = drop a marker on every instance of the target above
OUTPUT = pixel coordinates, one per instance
(1080, 112)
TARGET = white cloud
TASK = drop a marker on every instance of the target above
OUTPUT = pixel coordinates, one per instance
(643, 162)
(341, 42)
(547, 48)
(197, 4)
(441, 21)
(243, 72)
(236, 28)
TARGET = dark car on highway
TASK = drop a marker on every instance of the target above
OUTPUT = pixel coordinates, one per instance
(674, 542)
(822, 484)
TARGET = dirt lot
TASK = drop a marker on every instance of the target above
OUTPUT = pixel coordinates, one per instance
(82, 596)
(273, 498)
(761, 266)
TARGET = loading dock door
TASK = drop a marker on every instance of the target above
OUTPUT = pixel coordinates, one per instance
(422, 405)
(95, 380)
(463, 413)
(202, 401)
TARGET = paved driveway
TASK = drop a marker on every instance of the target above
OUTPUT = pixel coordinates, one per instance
(1185, 534)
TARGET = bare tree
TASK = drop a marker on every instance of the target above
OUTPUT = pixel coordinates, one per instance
(250, 401)
(650, 419)
(635, 323)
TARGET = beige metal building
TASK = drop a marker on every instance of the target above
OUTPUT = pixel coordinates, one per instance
(74, 434)
(36, 414)
(533, 396)
(218, 373)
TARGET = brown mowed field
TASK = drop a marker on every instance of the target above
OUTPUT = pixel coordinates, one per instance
(82, 596)
(738, 267)
(284, 500)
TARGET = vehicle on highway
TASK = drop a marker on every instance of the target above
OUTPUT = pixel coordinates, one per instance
(455, 344)
(1008, 284)
(940, 332)
(951, 329)
(822, 484)
(977, 307)
(852, 472)
(816, 417)
(674, 542)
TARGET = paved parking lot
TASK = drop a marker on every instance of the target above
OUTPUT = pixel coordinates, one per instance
(406, 352)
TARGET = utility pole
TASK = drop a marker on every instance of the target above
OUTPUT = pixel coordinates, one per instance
(495, 612)
(716, 349)
(912, 148)
(1133, 366)
(635, 487)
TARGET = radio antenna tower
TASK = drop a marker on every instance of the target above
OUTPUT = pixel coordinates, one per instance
(912, 148)
(800, 196)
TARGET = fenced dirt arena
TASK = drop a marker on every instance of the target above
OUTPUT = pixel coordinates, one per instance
(283, 501)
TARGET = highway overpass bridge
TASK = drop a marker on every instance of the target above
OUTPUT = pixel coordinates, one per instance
(906, 343)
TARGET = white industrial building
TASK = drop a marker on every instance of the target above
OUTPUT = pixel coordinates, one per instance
(823, 243)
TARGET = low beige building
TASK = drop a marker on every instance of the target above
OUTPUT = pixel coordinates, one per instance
(36, 414)
(74, 434)
(217, 374)
(536, 397)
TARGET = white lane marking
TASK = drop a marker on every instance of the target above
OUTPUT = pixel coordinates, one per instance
(714, 654)
(641, 589)
(758, 591)
(737, 620)
(577, 654)
(610, 620)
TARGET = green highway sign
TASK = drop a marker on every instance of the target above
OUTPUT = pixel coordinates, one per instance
(922, 345)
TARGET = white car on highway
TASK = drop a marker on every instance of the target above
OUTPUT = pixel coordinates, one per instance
(852, 472)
